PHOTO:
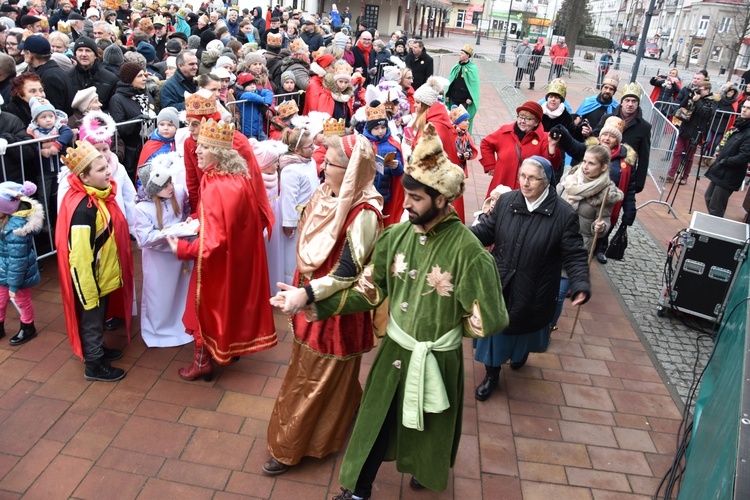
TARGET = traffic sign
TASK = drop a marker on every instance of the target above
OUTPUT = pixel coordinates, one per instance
(680, 39)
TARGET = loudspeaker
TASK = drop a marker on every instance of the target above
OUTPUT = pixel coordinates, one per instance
(713, 251)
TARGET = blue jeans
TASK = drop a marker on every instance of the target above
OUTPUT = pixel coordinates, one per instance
(564, 287)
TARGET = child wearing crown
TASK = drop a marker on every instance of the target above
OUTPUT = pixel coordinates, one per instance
(286, 112)
(94, 260)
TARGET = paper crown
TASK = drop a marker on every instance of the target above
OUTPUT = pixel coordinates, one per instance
(632, 90)
(459, 114)
(199, 104)
(333, 127)
(287, 109)
(274, 39)
(468, 49)
(159, 20)
(376, 112)
(80, 157)
(613, 80)
(297, 46)
(342, 70)
(559, 87)
(216, 134)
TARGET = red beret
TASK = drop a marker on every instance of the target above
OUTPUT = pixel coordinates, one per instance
(324, 60)
(533, 108)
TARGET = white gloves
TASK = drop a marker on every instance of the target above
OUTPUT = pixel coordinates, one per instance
(3, 145)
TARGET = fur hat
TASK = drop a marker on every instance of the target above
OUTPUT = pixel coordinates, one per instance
(11, 193)
(531, 107)
(376, 115)
(97, 127)
(632, 90)
(430, 165)
(155, 175)
(147, 50)
(614, 126)
(274, 40)
(557, 87)
(288, 75)
(84, 98)
(613, 80)
(431, 91)
(459, 114)
(169, 114)
(130, 70)
(392, 73)
(38, 106)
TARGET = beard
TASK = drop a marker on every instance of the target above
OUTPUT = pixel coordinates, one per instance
(422, 219)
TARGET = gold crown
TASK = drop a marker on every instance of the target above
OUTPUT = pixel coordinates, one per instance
(80, 157)
(298, 45)
(287, 109)
(159, 20)
(613, 80)
(342, 70)
(632, 90)
(199, 105)
(468, 49)
(375, 113)
(333, 127)
(216, 134)
(559, 87)
(274, 39)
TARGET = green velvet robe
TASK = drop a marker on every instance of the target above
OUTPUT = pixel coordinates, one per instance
(471, 75)
(435, 282)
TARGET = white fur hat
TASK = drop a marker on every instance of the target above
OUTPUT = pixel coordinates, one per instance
(215, 45)
(431, 91)
(392, 73)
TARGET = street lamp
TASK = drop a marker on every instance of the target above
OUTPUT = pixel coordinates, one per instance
(479, 30)
(501, 57)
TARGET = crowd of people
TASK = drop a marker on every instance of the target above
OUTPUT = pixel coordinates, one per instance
(298, 161)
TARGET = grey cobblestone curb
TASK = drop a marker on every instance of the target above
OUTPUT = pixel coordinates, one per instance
(637, 279)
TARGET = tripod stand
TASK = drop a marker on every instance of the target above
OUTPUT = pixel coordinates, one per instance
(689, 153)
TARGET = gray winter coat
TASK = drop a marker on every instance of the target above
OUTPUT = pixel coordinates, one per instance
(523, 56)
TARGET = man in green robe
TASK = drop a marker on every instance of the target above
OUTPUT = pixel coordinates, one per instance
(442, 286)
(464, 84)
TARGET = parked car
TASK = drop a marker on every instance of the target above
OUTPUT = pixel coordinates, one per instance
(652, 51)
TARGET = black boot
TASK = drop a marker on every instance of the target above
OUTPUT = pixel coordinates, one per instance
(488, 384)
(2, 329)
(516, 366)
(102, 371)
(26, 333)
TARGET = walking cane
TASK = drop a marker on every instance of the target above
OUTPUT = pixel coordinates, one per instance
(591, 254)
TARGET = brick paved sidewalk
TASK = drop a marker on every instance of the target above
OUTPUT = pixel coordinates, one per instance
(591, 418)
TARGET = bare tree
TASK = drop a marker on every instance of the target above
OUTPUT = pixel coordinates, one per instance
(732, 32)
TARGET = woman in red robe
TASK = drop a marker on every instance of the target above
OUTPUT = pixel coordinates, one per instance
(230, 278)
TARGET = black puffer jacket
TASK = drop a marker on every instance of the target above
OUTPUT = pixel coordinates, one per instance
(104, 81)
(123, 107)
(531, 249)
(730, 167)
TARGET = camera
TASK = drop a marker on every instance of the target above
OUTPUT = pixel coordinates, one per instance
(555, 134)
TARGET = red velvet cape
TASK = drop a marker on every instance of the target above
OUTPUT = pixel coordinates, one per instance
(121, 300)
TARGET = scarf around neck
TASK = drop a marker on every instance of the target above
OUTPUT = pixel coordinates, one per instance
(575, 187)
(365, 50)
(553, 114)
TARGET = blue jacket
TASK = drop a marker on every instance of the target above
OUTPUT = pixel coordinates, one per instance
(254, 110)
(173, 91)
(18, 266)
(335, 19)
(384, 182)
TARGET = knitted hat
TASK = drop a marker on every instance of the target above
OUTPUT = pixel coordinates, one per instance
(171, 62)
(147, 50)
(430, 92)
(169, 114)
(215, 45)
(194, 41)
(39, 105)
(130, 70)
(632, 90)
(376, 115)
(221, 73)
(458, 114)
(615, 127)
(557, 87)
(223, 61)
(325, 60)
(274, 40)
(613, 80)
(65, 62)
(287, 109)
(430, 165)
(546, 165)
(533, 108)
(245, 78)
(36, 44)
(155, 175)
(84, 41)
(254, 57)
(84, 98)
(340, 40)
(392, 73)
(267, 152)
(288, 75)
(173, 47)
(92, 12)
(10, 195)
(113, 55)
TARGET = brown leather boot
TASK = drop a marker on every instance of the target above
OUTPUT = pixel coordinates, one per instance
(201, 366)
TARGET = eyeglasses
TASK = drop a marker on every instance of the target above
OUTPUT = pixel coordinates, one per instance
(526, 119)
(532, 180)
(326, 163)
